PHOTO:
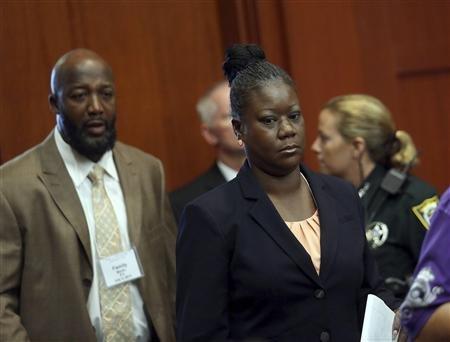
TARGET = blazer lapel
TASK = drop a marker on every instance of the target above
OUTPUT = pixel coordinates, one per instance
(131, 191)
(60, 186)
(329, 221)
(268, 218)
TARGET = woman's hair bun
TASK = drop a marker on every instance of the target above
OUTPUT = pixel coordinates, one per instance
(240, 56)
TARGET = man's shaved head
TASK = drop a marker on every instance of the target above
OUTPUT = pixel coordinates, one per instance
(83, 99)
(68, 62)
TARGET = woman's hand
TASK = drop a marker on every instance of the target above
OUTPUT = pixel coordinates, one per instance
(398, 334)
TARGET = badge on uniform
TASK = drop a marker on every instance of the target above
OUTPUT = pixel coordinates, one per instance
(425, 210)
(376, 234)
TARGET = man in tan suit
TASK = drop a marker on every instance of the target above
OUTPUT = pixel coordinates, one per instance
(53, 279)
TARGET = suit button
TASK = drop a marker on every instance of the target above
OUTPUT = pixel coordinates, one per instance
(324, 336)
(319, 293)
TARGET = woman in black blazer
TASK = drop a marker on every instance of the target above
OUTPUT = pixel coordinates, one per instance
(242, 273)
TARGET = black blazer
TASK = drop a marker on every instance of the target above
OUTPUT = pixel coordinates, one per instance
(203, 183)
(242, 275)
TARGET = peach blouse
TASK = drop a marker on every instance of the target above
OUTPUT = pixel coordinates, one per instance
(307, 233)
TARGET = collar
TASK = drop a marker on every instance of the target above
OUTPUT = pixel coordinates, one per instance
(252, 189)
(78, 165)
(227, 172)
(266, 216)
(372, 183)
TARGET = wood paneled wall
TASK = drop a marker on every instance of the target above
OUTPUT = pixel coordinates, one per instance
(166, 53)
(398, 51)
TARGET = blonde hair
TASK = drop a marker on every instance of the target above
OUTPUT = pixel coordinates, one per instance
(367, 117)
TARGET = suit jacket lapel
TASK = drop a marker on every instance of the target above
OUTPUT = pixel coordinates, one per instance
(131, 191)
(268, 218)
(60, 186)
(329, 221)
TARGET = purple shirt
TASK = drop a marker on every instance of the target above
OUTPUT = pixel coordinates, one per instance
(431, 286)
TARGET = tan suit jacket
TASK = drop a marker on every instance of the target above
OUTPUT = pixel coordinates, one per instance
(45, 254)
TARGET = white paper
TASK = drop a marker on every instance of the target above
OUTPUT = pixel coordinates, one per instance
(378, 319)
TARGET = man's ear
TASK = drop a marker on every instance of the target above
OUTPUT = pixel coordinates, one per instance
(359, 147)
(53, 102)
(238, 128)
(208, 135)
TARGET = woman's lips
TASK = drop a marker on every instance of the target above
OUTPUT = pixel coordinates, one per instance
(290, 149)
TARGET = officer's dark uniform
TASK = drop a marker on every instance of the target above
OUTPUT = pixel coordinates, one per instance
(396, 225)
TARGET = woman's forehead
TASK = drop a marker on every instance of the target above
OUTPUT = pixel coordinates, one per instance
(274, 91)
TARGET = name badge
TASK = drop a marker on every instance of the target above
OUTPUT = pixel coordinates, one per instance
(121, 267)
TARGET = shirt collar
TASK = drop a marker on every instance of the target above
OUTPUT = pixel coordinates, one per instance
(227, 172)
(79, 166)
(371, 184)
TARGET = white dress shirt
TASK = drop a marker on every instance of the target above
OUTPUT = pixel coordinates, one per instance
(79, 167)
(227, 172)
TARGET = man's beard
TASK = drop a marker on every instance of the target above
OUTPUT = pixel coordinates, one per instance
(91, 147)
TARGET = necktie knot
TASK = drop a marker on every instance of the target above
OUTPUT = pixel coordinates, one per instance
(96, 174)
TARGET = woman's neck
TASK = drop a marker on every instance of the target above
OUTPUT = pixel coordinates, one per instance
(275, 185)
(362, 171)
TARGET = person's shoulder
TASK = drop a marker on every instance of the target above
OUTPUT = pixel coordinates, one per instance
(223, 205)
(188, 191)
(445, 198)
(343, 193)
(21, 165)
(149, 168)
(221, 209)
(222, 197)
(336, 182)
(135, 154)
(20, 175)
(421, 198)
(332, 183)
(207, 180)
(418, 189)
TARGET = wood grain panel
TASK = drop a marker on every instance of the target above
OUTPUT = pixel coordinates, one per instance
(421, 45)
(239, 21)
(354, 46)
(164, 55)
(28, 46)
(425, 109)
(272, 32)
(324, 56)
(406, 72)
(421, 37)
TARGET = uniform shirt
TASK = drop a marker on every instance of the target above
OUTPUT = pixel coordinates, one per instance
(431, 286)
(79, 168)
(396, 223)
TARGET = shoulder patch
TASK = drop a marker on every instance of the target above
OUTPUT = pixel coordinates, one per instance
(425, 210)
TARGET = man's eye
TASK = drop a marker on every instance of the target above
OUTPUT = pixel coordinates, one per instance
(78, 96)
(107, 95)
(268, 120)
(294, 115)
